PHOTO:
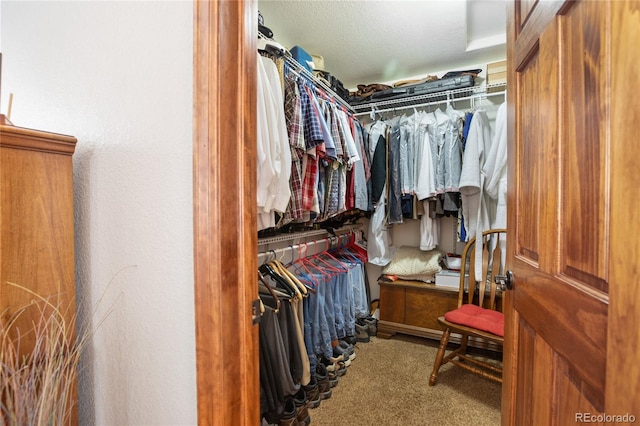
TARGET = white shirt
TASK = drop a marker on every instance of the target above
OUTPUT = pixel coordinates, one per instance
(274, 155)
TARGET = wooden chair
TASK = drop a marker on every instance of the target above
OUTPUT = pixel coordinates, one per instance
(479, 314)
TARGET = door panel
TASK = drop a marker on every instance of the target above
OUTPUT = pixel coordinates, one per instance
(585, 120)
(569, 398)
(526, 7)
(556, 333)
(529, 184)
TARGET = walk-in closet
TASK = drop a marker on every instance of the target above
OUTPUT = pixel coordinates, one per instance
(371, 181)
(567, 296)
(187, 263)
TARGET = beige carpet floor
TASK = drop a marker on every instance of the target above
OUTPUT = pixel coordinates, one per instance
(388, 384)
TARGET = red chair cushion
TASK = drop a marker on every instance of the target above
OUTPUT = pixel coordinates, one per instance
(477, 317)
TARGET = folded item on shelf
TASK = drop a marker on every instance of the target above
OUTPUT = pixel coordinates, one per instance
(417, 81)
(303, 58)
(366, 90)
(473, 72)
(439, 85)
(265, 31)
(318, 62)
(271, 46)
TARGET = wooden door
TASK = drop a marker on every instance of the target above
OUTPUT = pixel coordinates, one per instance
(572, 318)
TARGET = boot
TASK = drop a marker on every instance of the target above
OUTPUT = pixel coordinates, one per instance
(302, 416)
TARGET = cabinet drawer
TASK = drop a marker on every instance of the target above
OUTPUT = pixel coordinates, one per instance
(424, 306)
(392, 301)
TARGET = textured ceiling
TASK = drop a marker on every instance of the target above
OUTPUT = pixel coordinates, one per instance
(366, 42)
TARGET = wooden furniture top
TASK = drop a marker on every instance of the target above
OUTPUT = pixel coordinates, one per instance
(36, 140)
(417, 284)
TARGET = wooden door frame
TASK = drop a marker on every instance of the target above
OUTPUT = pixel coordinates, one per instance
(225, 211)
(623, 338)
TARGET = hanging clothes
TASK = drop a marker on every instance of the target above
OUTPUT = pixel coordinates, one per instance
(361, 172)
(406, 153)
(484, 166)
(425, 185)
(453, 150)
(471, 179)
(495, 169)
(395, 183)
(293, 119)
(327, 174)
(274, 154)
(379, 247)
(339, 298)
(276, 381)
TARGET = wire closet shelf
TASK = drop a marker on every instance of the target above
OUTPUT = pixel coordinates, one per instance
(296, 237)
(302, 71)
(302, 244)
(454, 95)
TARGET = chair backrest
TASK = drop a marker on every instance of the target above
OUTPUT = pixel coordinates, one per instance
(480, 288)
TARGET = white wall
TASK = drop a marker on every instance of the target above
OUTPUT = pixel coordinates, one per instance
(118, 76)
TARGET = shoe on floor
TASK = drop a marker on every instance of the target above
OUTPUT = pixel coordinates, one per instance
(350, 339)
(362, 333)
(349, 350)
(313, 393)
(342, 369)
(289, 417)
(373, 325)
(330, 363)
(300, 399)
(324, 386)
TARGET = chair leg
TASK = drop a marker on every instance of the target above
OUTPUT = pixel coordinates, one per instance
(438, 362)
(463, 345)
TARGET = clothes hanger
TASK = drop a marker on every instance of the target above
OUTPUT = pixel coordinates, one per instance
(341, 264)
(345, 249)
(281, 283)
(333, 270)
(279, 268)
(298, 265)
(360, 252)
(305, 289)
(262, 280)
(345, 252)
(296, 290)
(307, 262)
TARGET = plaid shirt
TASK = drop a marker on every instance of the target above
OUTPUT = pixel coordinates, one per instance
(312, 128)
(293, 118)
(336, 132)
(309, 181)
(315, 149)
(329, 117)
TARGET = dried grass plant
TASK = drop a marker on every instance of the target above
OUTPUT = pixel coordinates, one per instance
(39, 384)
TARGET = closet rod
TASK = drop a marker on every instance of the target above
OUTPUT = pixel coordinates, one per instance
(442, 101)
(330, 93)
(309, 75)
(294, 252)
(297, 236)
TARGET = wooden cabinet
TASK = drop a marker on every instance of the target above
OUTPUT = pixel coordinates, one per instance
(36, 217)
(411, 307)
